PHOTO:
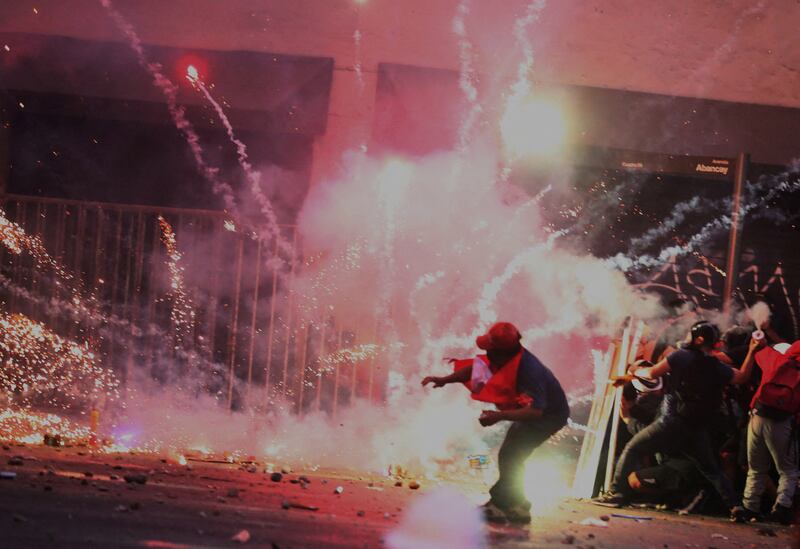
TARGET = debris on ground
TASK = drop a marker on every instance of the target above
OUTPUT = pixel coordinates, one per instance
(52, 440)
(8, 475)
(399, 483)
(286, 469)
(303, 506)
(637, 518)
(360, 513)
(338, 490)
(276, 477)
(719, 536)
(243, 536)
(16, 461)
(591, 521)
(135, 478)
(414, 485)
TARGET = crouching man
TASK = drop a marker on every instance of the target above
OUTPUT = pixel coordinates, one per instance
(527, 394)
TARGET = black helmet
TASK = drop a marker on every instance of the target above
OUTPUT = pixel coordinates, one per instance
(705, 329)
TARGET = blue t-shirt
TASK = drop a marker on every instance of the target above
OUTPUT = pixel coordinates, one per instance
(538, 382)
(695, 385)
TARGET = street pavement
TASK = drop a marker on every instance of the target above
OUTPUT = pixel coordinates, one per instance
(70, 497)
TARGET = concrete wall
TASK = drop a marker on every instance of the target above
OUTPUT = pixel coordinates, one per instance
(735, 50)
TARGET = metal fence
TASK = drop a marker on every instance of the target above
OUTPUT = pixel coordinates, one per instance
(246, 341)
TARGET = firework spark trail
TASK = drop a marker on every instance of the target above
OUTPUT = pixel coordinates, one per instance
(625, 263)
(356, 353)
(177, 112)
(253, 176)
(491, 289)
(467, 76)
(109, 327)
(521, 88)
(434, 348)
(55, 306)
(41, 367)
(181, 313)
(357, 64)
(16, 240)
(424, 281)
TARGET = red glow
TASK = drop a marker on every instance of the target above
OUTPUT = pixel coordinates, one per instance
(192, 67)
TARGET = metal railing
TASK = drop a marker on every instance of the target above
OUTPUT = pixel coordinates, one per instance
(246, 340)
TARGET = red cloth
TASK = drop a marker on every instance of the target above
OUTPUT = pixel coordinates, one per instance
(501, 389)
(768, 359)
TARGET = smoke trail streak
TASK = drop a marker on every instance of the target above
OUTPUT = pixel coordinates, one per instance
(466, 76)
(253, 176)
(673, 220)
(177, 112)
(625, 263)
(491, 289)
(711, 63)
(357, 64)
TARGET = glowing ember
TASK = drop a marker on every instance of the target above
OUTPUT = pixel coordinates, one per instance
(5, 47)
(191, 74)
(229, 225)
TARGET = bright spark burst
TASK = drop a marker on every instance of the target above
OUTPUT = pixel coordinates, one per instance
(39, 367)
(16, 240)
(182, 312)
(192, 74)
(28, 427)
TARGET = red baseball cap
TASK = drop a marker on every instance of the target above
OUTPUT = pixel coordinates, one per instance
(502, 336)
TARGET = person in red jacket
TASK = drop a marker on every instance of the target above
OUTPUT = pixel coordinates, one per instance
(771, 438)
(527, 394)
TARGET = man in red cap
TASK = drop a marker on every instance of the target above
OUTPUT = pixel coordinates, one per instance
(527, 394)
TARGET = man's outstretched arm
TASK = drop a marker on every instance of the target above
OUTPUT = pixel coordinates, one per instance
(459, 376)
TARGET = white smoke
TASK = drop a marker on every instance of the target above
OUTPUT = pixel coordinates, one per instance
(442, 519)
(760, 314)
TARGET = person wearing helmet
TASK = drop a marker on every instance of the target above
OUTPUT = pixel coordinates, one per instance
(527, 394)
(696, 382)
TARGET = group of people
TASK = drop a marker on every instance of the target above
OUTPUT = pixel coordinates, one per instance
(713, 413)
(715, 422)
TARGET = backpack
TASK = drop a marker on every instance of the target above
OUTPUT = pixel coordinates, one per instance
(781, 391)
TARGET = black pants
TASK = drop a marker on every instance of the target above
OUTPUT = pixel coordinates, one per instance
(674, 435)
(521, 440)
